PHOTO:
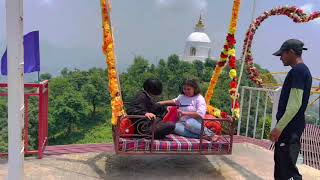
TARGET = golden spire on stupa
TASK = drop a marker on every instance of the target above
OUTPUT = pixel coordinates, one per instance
(200, 25)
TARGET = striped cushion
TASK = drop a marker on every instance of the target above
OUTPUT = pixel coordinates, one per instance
(173, 143)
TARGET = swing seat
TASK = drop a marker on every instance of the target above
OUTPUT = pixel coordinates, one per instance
(132, 144)
(172, 143)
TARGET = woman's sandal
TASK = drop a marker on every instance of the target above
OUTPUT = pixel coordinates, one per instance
(213, 138)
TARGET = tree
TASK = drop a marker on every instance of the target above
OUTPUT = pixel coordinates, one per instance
(95, 91)
(78, 78)
(173, 62)
(139, 66)
(69, 110)
(45, 76)
(266, 127)
(65, 72)
(199, 67)
(210, 63)
(59, 86)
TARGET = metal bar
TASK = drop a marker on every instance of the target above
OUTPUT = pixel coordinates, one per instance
(256, 117)
(26, 85)
(231, 132)
(153, 128)
(117, 134)
(264, 115)
(241, 109)
(317, 123)
(31, 152)
(248, 116)
(40, 125)
(258, 89)
(47, 110)
(201, 136)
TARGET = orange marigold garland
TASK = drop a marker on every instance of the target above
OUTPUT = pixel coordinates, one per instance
(228, 53)
(108, 50)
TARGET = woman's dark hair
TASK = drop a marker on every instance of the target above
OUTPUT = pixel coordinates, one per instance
(192, 83)
(153, 86)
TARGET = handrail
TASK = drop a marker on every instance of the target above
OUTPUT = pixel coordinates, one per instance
(42, 93)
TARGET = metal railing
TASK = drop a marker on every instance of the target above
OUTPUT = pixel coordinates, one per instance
(258, 97)
(33, 90)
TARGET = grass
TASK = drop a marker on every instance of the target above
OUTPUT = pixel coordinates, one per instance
(85, 133)
(101, 133)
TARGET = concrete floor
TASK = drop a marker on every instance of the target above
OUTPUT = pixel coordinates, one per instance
(247, 162)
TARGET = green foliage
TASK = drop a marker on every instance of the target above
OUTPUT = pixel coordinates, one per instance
(45, 76)
(98, 134)
(69, 110)
(267, 126)
(3, 125)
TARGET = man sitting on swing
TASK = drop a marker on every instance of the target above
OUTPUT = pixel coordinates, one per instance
(143, 104)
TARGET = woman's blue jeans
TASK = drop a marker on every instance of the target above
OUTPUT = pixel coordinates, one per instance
(191, 128)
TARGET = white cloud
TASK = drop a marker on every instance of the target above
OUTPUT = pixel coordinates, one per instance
(200, 4)
(164, 2)
(195, 4)
(309, 8)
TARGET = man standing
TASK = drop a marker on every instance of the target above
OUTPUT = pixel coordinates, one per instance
(292, 106)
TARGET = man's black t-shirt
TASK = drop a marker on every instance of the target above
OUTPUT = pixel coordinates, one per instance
(299, 77)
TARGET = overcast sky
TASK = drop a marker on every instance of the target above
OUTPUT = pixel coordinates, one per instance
(158, 28)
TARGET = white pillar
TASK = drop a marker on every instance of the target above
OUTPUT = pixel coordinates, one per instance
(275, 100)
(14, 20)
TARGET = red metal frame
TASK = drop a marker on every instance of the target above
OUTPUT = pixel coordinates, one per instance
(229, 139)
(42, 94)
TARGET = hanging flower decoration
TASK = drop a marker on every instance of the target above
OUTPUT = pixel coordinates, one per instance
(295, 14)
(108, 50)
(227, 54)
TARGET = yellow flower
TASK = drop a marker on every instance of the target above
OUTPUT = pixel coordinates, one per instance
(110, 47)
(233, 29)
(236, 113)
(232, 52)
(114, 120)
(217, 113)
(233, 73)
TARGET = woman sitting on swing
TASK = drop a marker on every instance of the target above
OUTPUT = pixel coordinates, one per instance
(192, 109)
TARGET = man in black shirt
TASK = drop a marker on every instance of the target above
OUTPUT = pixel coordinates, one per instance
(143, 104)
(292, 106)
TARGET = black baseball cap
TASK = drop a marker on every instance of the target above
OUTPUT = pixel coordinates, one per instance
(294, 44)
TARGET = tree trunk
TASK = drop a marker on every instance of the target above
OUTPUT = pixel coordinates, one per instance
(69, 127)
(94, 106)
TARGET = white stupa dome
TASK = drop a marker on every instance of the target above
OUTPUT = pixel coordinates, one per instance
(198, 44)
(198, 37)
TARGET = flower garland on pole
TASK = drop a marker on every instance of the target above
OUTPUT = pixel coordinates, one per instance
(295, 14)
(108, 50)
(228, 53)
